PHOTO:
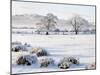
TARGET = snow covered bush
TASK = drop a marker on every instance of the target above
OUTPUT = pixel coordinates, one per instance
(64, 65)
(39, 52)
(42, 53)
(67, 61)
(45, 62)
(35, 50)
(73, 60)
(26, 60)
(21, 48)
(16, 49)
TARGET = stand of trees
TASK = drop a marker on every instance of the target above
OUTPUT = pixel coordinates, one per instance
(77, 22)
(48, 23)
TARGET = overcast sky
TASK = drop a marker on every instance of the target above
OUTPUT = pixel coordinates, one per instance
(60, 10)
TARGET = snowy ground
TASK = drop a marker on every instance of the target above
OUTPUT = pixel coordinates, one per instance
(59, 46)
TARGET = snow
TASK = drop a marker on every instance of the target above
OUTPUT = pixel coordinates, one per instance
(59, 46)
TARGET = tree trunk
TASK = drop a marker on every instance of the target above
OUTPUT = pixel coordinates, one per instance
(46, 33)
(76, 32)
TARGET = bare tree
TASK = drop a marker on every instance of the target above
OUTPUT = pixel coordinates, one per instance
(77, 22)
(48, 22)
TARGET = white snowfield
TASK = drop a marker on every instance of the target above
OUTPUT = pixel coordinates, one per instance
(58, 46)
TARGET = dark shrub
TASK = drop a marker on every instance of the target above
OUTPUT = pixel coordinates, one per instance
(42, 53)
(21, 48)
(39, 52)
(73, 60)
(67, 61)
(35, 50)
(21, 60)
(45, 62)
(64, 65)
(26, 60)
(16, 49)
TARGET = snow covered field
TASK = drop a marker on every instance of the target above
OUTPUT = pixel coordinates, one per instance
(59, 46)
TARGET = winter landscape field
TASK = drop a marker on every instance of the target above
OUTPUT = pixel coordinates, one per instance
(79, 46)
(50, 37)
